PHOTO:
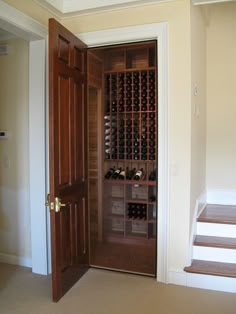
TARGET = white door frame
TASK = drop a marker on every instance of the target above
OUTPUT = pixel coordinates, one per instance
(159, 32)
(29, 29)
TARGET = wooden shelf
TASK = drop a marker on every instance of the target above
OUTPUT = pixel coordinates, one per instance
(130, 182)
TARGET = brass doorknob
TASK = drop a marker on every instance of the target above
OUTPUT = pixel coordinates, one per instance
(58, 204)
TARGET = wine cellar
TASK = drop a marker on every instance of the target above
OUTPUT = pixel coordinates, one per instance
(122, 150)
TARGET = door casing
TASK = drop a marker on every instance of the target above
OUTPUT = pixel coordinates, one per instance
(27, 28)
(159, 32)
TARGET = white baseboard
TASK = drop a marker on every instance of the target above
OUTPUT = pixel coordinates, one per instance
(177, 277)
(15, 260)
(221, 197)
(217, 283)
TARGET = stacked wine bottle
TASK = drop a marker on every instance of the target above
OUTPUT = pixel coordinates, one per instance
(137, 211)
(130, 115)
(115, 173)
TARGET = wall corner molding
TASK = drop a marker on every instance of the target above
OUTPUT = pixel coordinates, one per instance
(20, 24)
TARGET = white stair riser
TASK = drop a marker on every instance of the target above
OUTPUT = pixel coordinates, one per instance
(219, 283)
(214, 254)
(216, 230)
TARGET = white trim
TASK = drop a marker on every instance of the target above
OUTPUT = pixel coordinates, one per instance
(75, 9)
(218, 283)
(157, 31)
(201, 2)
(20, 24)
(37, 156)
(221, 197)
(199, 206)
(177, 277)
(15, 260)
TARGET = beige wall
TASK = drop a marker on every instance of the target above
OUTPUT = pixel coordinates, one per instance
(221, 99)
(198, 106)
(14, 171)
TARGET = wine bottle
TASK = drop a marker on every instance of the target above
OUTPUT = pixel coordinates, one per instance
(151, 93)
(139, 174)
(116, 173)
(151, 136)
(129, 211)
(144, 142)
(114, 156)
(152, 175)
(152, 115)
(109, 173)
(152, 198)
(121, 108)
(129, 150)
(136, 89)
(152, 143)
(109, 124)
(144, 107)
(152, 157)
(151, 150)
(144, 149)
(144, 74)
(121, 175)
(144, 211)
(130, 174)
(107, 117)
(152, 108)
(136, 129)
(121, 142)
(133, 211)
(121, 75)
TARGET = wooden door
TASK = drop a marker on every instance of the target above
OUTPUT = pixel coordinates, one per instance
(67, 158)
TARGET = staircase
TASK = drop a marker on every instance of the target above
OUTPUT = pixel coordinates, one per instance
(214, 249)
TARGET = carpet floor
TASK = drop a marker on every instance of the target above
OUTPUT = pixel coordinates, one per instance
(106, 292)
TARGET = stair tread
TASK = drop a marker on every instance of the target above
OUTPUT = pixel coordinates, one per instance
(212, 268)
(224, 214)
(219, 242)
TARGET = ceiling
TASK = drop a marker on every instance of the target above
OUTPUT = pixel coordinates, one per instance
(66, 8)
(80, 7)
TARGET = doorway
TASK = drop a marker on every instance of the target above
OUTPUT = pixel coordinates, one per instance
(122, 157)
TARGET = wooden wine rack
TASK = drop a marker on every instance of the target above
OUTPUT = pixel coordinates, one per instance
(123, 134)
(130, 141)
